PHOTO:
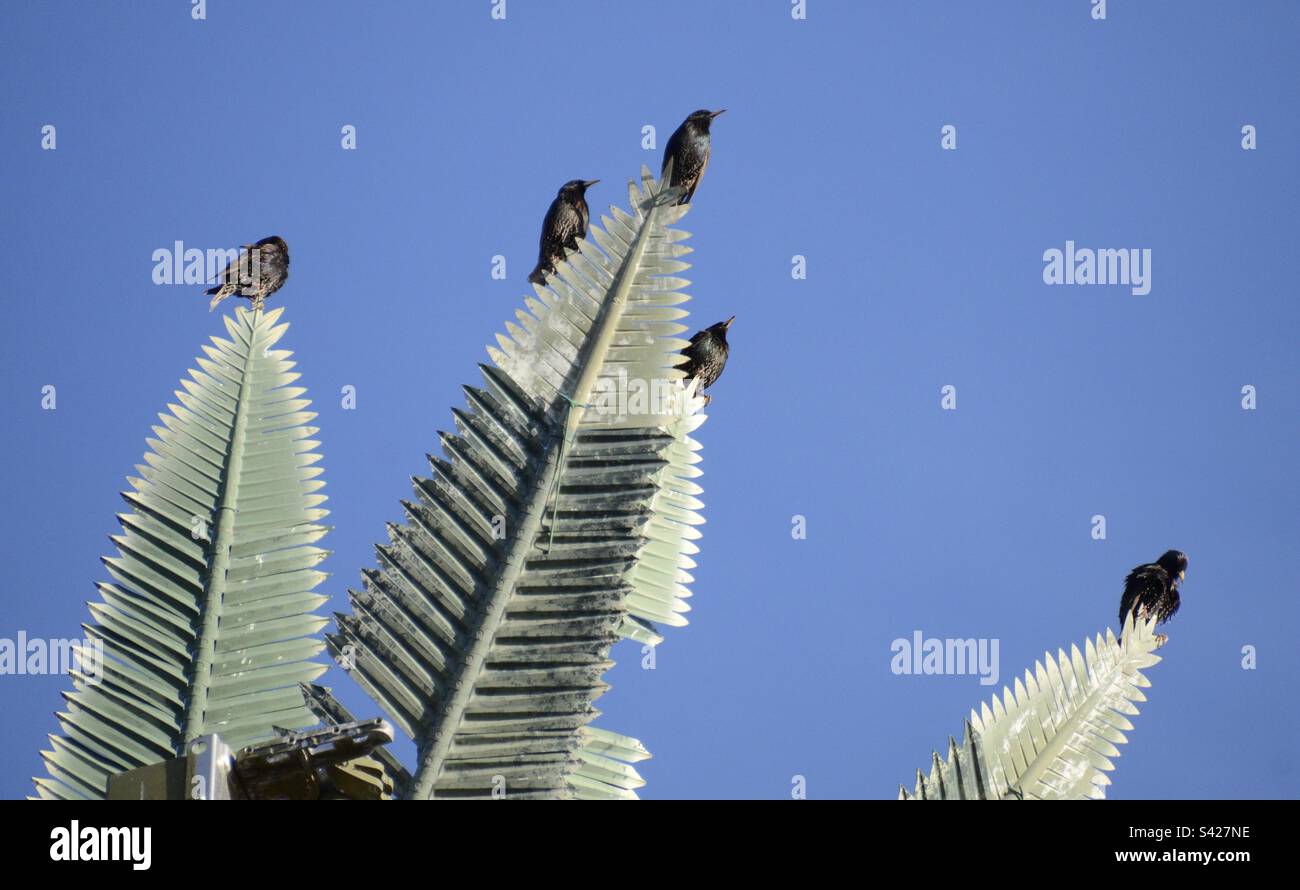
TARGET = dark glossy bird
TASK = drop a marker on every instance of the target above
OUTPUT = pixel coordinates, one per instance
(706, 356)
(565, 223)
(689, 148)
(1152, 590)
(258, 271)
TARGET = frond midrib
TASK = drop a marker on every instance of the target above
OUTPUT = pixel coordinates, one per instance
(525, 535)
(223, 539)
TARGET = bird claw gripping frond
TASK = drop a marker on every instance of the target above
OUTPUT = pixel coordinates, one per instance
(1054, 736)
(561, 517)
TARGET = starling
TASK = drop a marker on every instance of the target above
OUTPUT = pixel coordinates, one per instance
(254, 276)
(565, 223)
(707, 356)
(1152, 590)
(688, 148)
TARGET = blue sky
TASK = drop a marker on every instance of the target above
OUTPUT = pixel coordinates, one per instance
(924, 270)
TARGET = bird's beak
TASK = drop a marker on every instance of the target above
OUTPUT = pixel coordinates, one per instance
(726, 324)
(1182, 576)
(713, 114)
(589, 183)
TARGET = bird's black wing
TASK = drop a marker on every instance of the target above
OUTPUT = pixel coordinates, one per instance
(670, 151)
(548, 248)
(1144, 588)
(231, 274)
(548, 222)
(695, 172)
(584, 214)
(689, 367)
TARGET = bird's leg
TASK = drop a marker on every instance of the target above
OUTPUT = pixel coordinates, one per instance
(1161, 639)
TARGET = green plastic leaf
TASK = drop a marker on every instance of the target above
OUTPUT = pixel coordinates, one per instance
(1053, 736)
(561, 517)
(208, 623)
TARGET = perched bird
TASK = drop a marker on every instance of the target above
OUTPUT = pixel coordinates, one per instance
(258, 271)
(707, 356)
(688, 148)
(1152, 590)
(565, 223)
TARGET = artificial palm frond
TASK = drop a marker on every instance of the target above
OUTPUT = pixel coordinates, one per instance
(1054, 736)
(207, 625)
(561, 518)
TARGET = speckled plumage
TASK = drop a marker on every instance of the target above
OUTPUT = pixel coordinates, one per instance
(707, 355)
(1152, 589)
(689, 149)
(254, 280)
(566, 221)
